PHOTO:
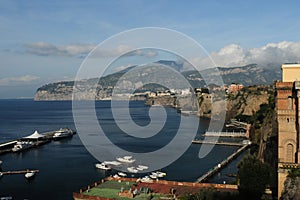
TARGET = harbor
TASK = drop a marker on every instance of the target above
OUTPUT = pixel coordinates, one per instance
(34, 140)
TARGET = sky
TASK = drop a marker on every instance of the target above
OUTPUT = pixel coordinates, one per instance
(47, 41)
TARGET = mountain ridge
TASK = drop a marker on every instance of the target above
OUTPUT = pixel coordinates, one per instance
(247, 75)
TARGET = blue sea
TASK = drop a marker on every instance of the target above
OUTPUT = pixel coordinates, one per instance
(66, 166)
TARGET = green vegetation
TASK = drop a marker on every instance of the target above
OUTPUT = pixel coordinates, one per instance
(111, 189)
(210, 194)
(253, 177)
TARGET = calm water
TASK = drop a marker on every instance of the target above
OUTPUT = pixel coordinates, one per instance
(66, 166)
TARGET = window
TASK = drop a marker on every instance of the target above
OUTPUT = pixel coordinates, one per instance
(290, 153)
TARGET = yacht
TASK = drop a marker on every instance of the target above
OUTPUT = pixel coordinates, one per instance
(132, 170)
(62, 133)
(116, 163)
(146, 179)
(126, 159)
(29, 174)
(158, 174)
(102, 166)
(142, 167)
(22, 145)
(122, 174)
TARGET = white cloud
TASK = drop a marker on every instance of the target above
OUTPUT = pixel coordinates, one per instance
(81, 50)
(26, 79)
(272, 53)
(47, 49)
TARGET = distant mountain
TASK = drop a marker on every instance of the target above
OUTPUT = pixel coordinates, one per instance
(143, 80)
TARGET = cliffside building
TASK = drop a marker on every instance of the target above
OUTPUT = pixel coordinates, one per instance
(288, 116)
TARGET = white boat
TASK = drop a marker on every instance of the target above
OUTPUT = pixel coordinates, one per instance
(122, 174)
(116, 176)
(160, 174)
(1, 174)
(142, 167)
(62, 133)
(102, 166)
(126, 159)
(146, 179)
(153, 176)
(116, 163)
(22, 146)
(29, 174)
(132, 170)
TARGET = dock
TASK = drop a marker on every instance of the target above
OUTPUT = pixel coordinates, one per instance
(219, 166)
(6, 147)
(19, 172)
(217, 143)
(226, 134)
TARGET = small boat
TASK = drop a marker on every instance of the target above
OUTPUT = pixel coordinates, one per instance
(116, 163)
(29, 174)
(153, 176)
(6, 198)
(62, 133)
(116, 176)
(122, 174)
(1, 174)
(158, 174)
(22, 145)
(1, 163)
(142, 167)
(102, 166)
(132, 170)
(146, 179)
(126, 159)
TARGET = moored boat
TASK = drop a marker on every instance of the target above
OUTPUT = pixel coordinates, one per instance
(29, 174)
(20, 146)
(142, 167)
(116, 163)
(132, 170)
(102, 166)
(122, 174)
(62, 133)
(126, 159)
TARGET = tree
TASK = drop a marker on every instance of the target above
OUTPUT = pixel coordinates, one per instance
(253, 177)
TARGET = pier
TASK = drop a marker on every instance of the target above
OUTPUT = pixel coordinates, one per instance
(19, 172)
(217, 143)
(222, 164)
(46, 137)
(226, 134)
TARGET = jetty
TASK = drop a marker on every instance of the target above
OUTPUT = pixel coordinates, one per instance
(36, 138)
(217, 143)
(219, 166)
(19, 172)
(226, 134)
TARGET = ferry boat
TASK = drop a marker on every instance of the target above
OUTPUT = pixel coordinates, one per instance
(102, 166)
(126, 159)
(20, 146)
(29, 174)
(62, 133)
